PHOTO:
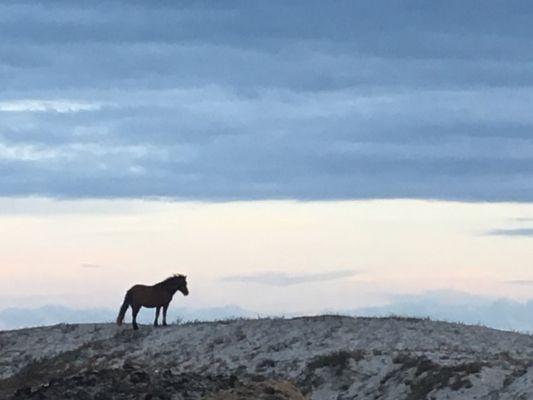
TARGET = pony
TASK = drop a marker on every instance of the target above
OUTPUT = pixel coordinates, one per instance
(157, 296)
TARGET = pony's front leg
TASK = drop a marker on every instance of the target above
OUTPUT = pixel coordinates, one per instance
(165, 309)
(158, 309)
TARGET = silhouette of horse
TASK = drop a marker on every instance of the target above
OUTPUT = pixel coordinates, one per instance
(158, 296)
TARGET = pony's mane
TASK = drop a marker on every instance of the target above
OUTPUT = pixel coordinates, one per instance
(171, 278)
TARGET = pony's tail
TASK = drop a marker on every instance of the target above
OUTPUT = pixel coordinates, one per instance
(123, 309)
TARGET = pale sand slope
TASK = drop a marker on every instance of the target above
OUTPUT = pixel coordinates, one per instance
(327, 357)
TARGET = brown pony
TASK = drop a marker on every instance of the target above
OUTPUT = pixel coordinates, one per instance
(158, 295)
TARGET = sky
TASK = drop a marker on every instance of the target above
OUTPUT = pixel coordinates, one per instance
(287, 156)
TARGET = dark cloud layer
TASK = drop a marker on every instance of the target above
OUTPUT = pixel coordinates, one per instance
(249, 100)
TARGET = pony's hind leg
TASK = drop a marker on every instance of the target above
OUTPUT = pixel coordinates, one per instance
(158, 309)
(135, 310)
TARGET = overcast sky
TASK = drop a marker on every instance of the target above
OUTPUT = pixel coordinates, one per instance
(249, 100)
(251, 146)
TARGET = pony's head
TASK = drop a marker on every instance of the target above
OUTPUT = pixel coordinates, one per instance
(179, 282)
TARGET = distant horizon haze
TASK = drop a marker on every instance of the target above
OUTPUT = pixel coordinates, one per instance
(269, 257)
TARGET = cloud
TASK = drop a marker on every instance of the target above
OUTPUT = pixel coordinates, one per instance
(272, 278)
(91, 266)
(233, 101)
(520, 282)
(511, 232)
(60, 106)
